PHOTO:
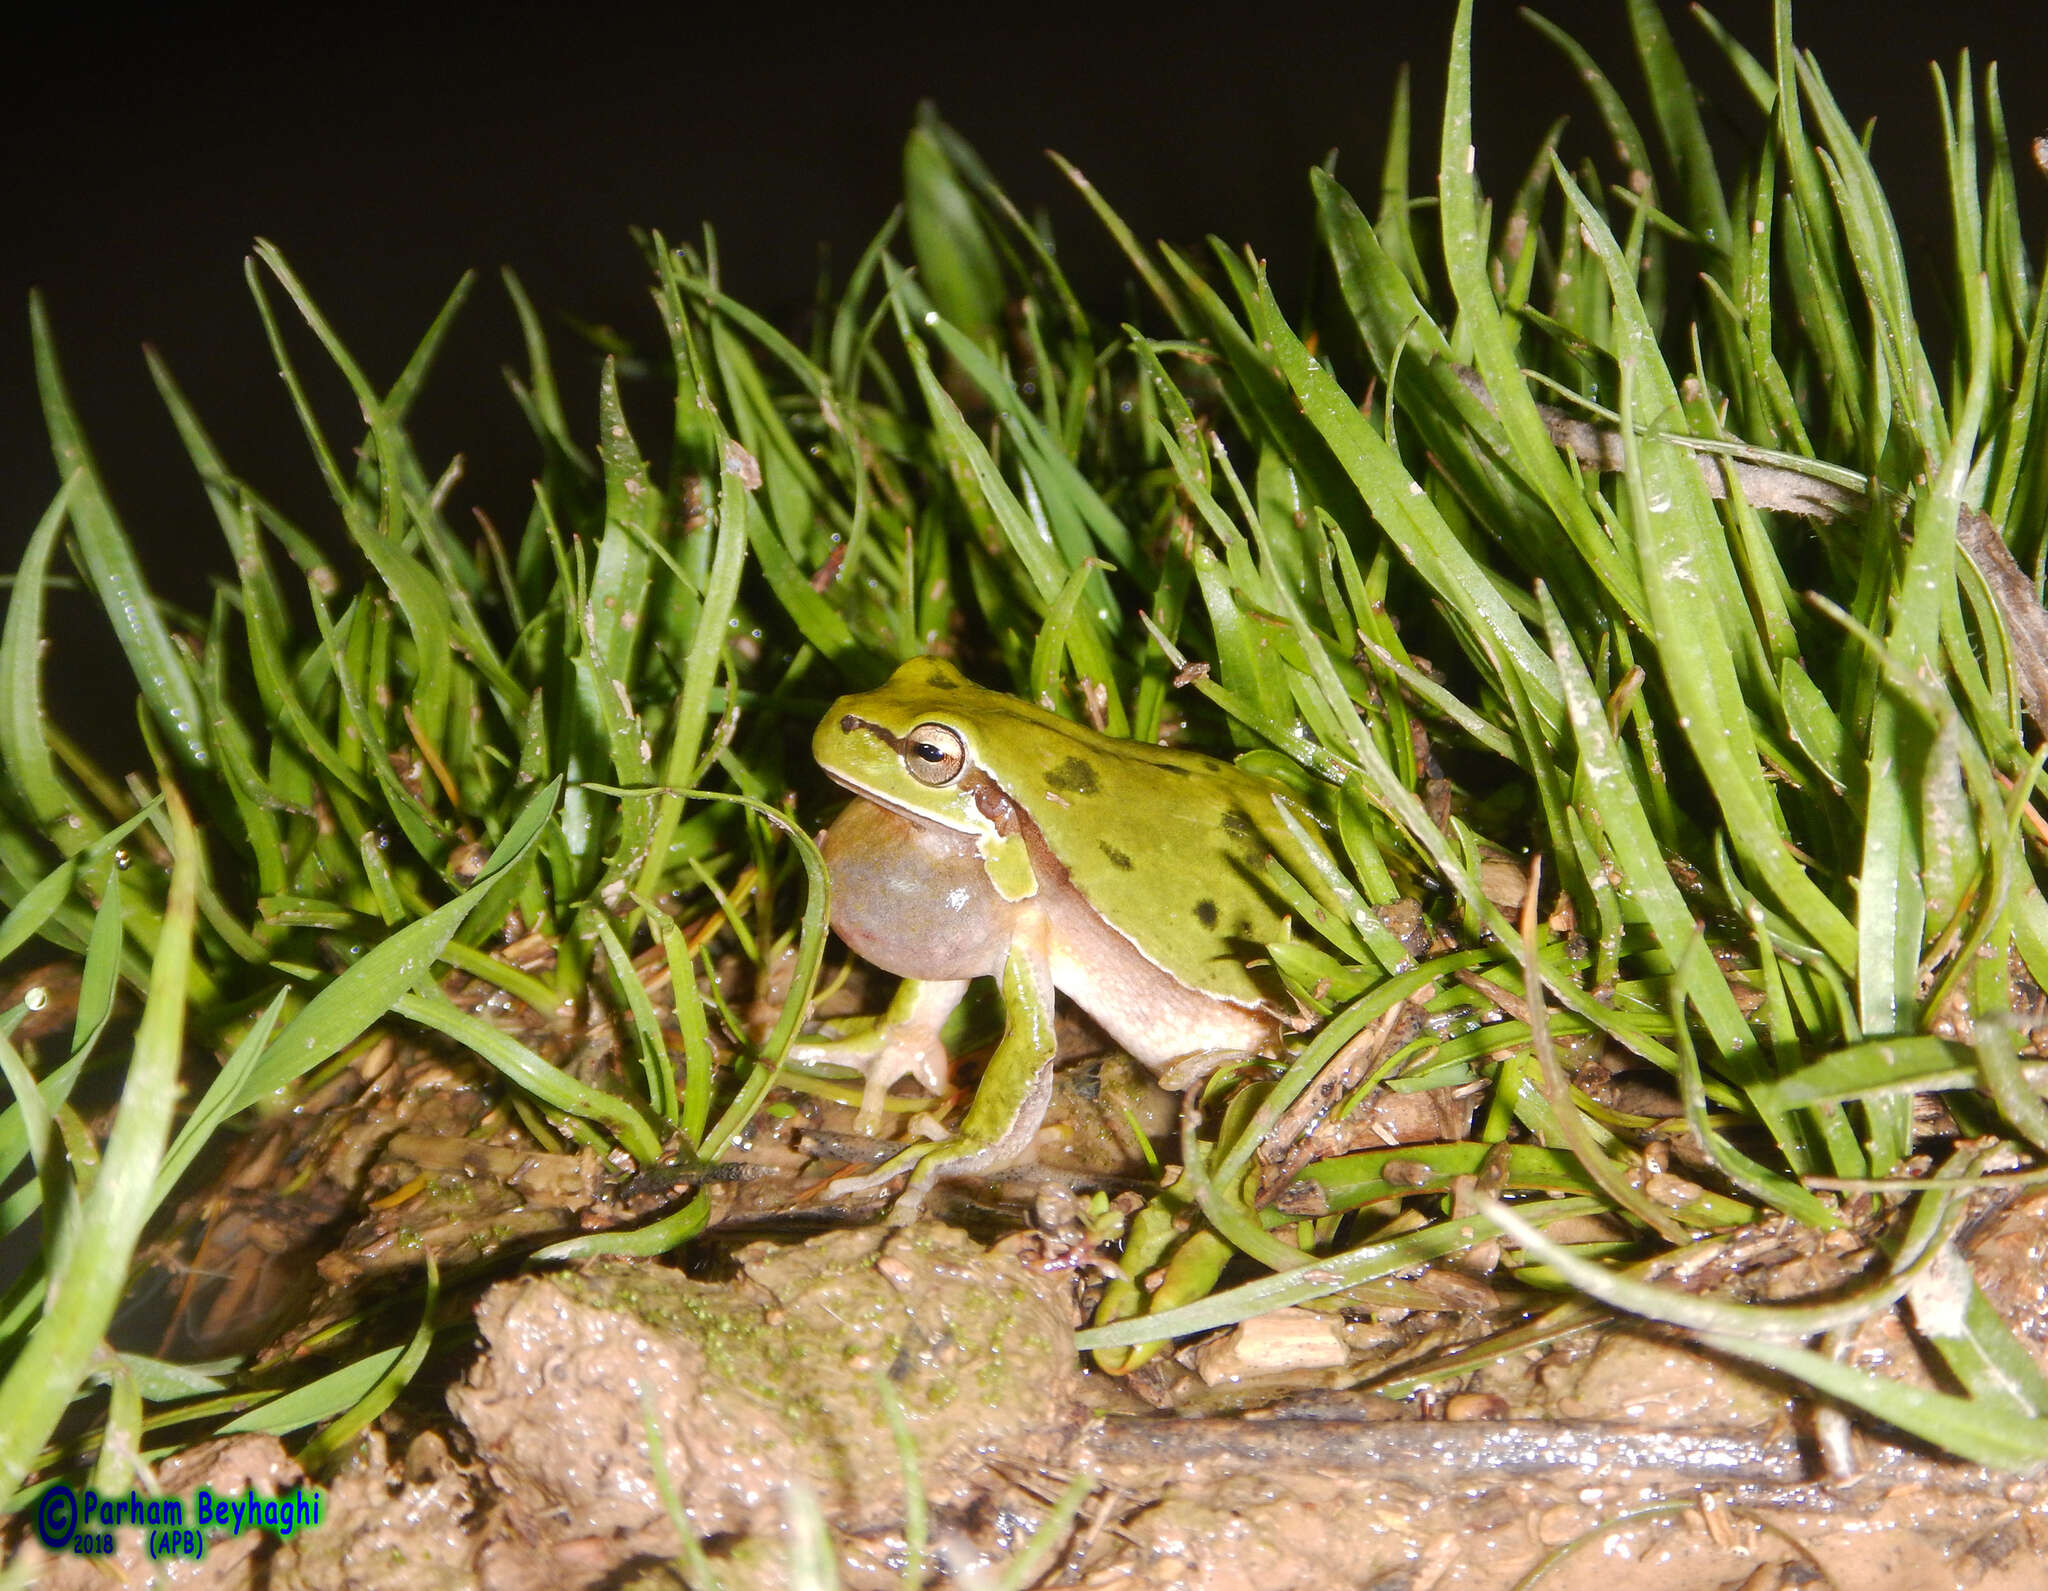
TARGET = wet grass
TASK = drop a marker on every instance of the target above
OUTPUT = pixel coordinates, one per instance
(1763, 770)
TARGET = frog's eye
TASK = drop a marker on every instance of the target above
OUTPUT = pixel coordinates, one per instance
(934, 754)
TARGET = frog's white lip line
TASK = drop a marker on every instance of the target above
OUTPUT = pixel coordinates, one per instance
(916, 815)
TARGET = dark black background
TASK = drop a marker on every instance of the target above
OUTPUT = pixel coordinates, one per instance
(386, 152)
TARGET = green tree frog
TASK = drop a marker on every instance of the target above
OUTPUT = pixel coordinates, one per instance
(994, 839)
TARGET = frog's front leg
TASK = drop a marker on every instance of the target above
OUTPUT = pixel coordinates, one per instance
(1015, 1087)
(902, 1042)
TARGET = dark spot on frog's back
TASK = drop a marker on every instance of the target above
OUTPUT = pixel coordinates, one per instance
(1117, 859)
(1245, 838)
(1075, 776)
(1205, 913)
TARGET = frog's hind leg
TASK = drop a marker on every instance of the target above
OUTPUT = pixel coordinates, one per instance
(1010, 1103)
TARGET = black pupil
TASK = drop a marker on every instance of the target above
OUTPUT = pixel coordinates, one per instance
(930, 752)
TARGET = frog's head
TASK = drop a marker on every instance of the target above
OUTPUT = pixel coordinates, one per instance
(911, 745)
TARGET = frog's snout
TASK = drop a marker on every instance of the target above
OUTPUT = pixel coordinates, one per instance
(841, 735)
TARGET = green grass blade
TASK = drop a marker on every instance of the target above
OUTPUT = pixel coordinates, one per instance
(1535, 458)
(1676, 107)
(1614, 806)
(700, 664)
(405, 390)
(802, 984)
(339, 1437)
(549, 1084)
(1329, 1274)
(1683, 561)
(1996, 1437)
(647, 1035)
(345, 1009)
(953, 250)
(319, 1399)
(230, 1083)
(1405, 511)
(85, 1291)
(1126, 240)
(111, 564)
(24, 750)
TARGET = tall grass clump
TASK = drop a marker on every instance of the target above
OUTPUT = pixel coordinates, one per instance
(1617, 566)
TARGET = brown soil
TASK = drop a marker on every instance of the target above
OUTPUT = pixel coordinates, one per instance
(1608, 1457)
(1586, 1456)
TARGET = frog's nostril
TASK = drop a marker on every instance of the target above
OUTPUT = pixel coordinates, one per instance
(848, 724)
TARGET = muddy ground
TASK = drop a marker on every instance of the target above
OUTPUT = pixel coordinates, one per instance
(760, 1376)
(1610, 1456)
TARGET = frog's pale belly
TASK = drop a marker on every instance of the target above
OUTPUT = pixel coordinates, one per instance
(914, 899)
(1152, 1015)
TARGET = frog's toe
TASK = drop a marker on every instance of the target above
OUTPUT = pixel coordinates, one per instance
(912, 1160)
(881, 1055)
(914, 1055)
(852, 1042)
(927, 1164)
